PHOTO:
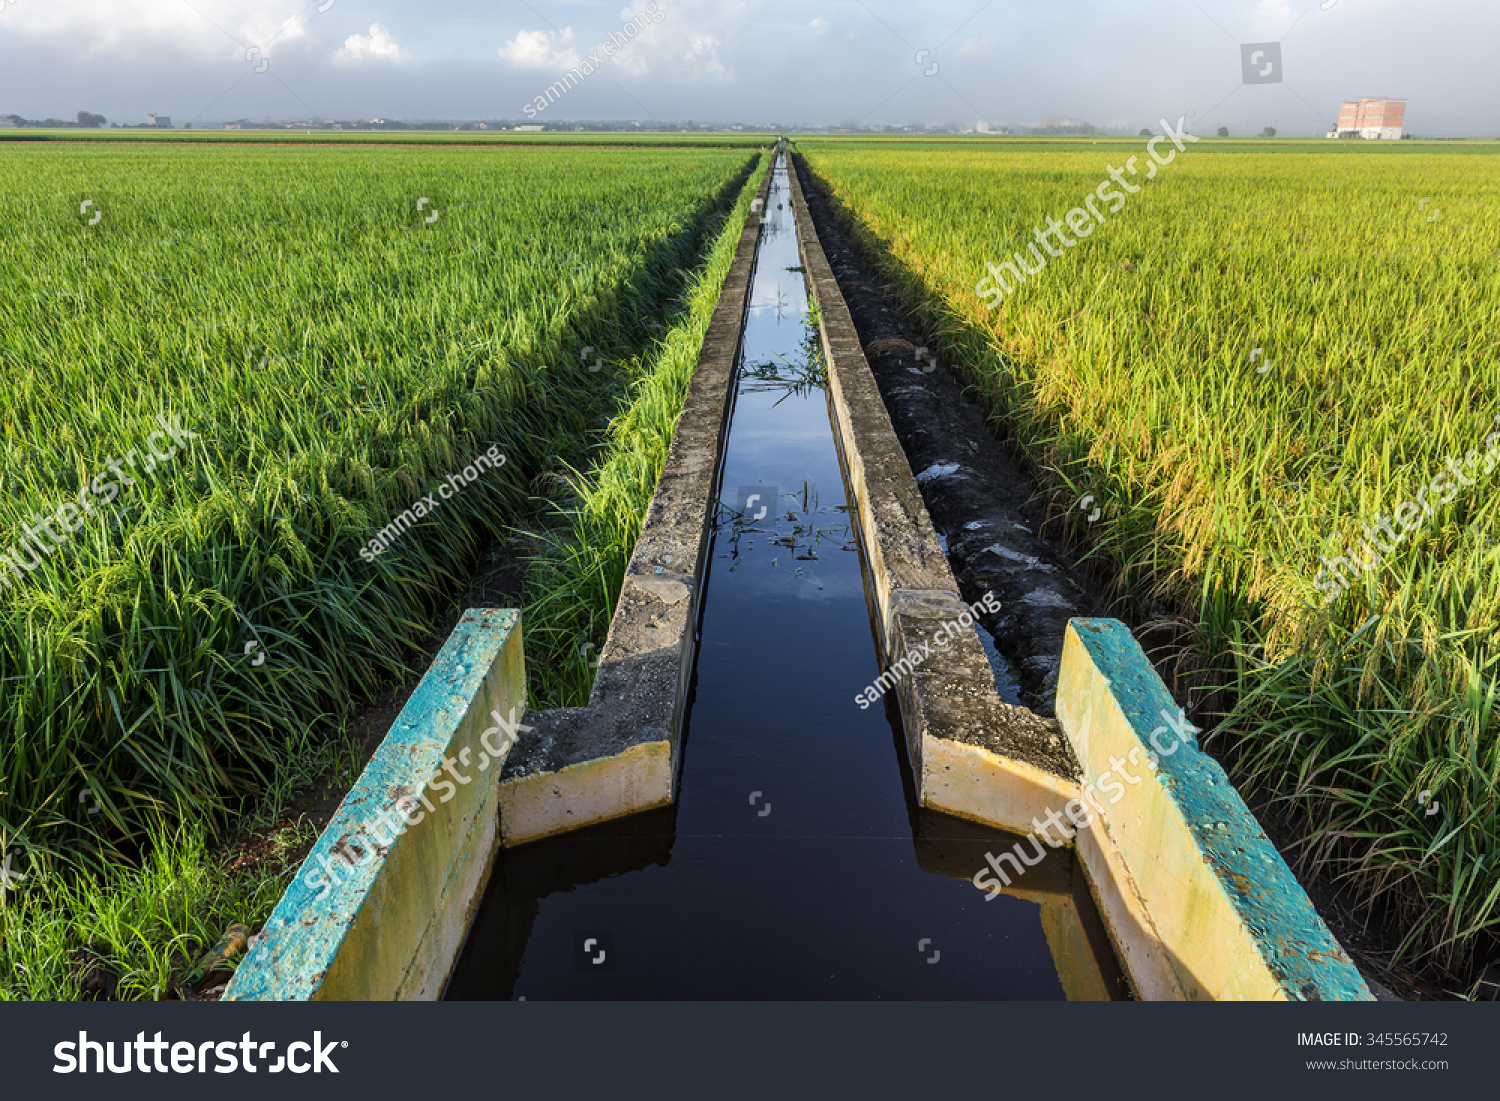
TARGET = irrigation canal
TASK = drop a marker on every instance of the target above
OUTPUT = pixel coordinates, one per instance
(796, 863)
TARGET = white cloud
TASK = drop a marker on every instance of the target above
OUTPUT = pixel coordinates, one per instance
(675, 53)
(104, 27)
(542, 50)
(701, 60)
(378, 45)
(819, 24)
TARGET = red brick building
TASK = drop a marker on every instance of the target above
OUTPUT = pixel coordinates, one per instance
(1371, 118)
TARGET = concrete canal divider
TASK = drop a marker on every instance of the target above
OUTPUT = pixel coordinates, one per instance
(974, 755)
(621, 754)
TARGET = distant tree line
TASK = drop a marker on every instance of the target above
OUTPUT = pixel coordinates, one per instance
(84, 119)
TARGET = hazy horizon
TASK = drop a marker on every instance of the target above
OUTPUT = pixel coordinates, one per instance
(1114, 65)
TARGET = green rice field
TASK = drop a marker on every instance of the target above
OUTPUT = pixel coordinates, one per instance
(318, 338)
(234, 363)
(1253, 360)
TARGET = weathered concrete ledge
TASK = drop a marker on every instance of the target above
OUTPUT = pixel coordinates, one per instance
(1199, 901)
(971, 484)
(380, 908)
(620, 754)
(974, 755)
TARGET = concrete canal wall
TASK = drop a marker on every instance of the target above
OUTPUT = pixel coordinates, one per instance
(381, 906)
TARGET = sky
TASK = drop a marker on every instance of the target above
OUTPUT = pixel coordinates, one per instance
(1113, 63)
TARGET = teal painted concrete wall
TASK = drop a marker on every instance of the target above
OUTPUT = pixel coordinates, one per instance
(1298, 949)
(381, 905)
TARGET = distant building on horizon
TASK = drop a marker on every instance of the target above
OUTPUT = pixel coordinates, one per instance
(1371, 118)
(161, 122)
